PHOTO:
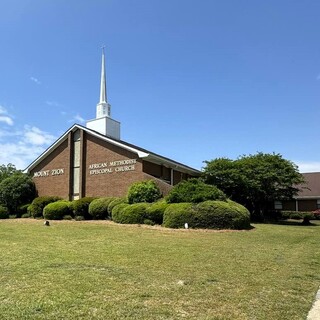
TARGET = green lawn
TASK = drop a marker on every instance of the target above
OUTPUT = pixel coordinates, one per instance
(101, 270)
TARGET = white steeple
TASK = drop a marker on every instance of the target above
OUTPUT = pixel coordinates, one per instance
(103, 122)
(103, 107)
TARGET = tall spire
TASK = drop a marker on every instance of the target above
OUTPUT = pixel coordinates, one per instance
(103, 123)
(103, 107)
(103, 87)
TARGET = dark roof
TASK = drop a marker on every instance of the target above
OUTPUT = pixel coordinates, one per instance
(312, 186)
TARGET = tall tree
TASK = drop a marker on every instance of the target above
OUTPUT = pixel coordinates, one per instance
(7, 170)
(254, 180)
(16, 190)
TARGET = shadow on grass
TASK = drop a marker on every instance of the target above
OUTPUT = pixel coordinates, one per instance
(298, 223)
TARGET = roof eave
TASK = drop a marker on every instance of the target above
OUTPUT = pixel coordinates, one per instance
(175, 165)
(140, 153)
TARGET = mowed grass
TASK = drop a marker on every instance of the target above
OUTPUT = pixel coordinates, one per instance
(101, 270)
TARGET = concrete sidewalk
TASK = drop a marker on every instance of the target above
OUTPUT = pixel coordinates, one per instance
(314, 313)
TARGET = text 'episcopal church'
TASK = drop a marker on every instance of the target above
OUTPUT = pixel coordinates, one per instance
(92, 161)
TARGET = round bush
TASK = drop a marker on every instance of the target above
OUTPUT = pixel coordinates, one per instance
(79, 218)
(80, 207)
(26, 215)
(56, 210)
(144, 191)
(114, 203)
(98, 208)
(177, 214)
(4, 213)
(155, 212)
(208, 215)
(37, 205)
(134, 213)
(117, 211)
(221, 215)
(67, 217)
(194, 190)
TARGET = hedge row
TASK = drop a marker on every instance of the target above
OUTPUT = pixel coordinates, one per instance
(54, 208)
(209, 214)
(298, 215)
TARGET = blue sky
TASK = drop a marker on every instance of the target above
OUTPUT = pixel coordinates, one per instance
(190, 80)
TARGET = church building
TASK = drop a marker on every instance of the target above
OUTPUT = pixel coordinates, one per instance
(92, 160)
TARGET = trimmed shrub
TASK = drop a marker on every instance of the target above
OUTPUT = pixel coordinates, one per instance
(134, 213)
(37, 205)
(177, 214)
(194, 190)
(148, 222)
(208, 214)
(56, 210)
(26, 215)
(79, 218)
(316, 214)
(155, 212)
(221, 215)
(117, 211)
(80, 207)
(114, 203)
(298, 215)
(98, 208)
(4, 213)
(67, 217)
(22, 210)
(242, 220)
(295, 215)
(144, 191)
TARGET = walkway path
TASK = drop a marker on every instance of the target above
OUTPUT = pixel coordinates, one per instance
(314, 313)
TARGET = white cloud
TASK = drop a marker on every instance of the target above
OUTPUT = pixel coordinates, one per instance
(35, 136)
(21, 147)
(5, 117)
(35, 80)
(308, 166)
(6, 120)
(19, 154)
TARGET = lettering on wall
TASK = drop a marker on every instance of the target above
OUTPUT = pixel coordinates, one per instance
(112, 166)
(47, 173)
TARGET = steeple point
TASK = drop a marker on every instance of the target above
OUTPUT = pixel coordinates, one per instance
(103, 107)
(103, 123)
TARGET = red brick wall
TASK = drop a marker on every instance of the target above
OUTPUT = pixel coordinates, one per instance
(109, 184)
(96, 151)
(54, 185)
